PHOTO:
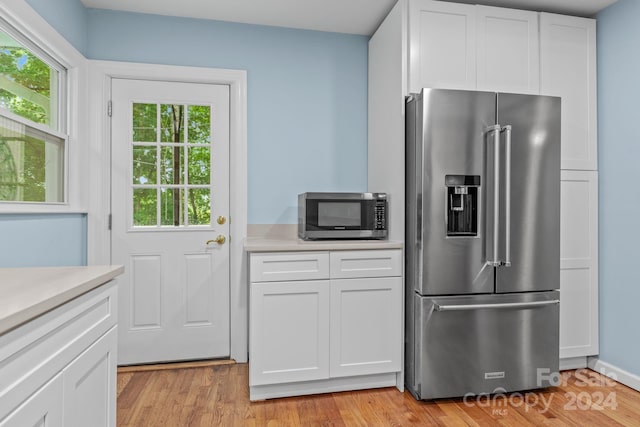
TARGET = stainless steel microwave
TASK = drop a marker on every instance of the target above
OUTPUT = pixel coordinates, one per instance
(342, 216)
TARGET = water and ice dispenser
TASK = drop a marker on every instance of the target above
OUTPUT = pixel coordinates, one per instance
(462, 205)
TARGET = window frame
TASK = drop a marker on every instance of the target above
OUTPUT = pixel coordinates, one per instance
(57, 129)
(41, 54)
(27, 27)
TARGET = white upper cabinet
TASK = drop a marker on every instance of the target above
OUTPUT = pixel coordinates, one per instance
(460, 46)
(568, 70)
(507, 50)
(442, 48)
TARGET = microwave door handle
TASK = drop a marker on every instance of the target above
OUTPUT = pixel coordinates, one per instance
(495, 129)
(507, 196)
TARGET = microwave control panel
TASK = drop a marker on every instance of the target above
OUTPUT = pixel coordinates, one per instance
(380, 215)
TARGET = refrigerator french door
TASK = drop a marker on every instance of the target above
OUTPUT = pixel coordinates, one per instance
(482, 242)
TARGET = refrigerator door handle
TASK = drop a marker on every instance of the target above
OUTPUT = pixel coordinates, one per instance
(507, 196)
(495, 262)
(467, 307)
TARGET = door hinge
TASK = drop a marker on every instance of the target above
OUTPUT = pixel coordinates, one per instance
(109, 108)
(109, 222)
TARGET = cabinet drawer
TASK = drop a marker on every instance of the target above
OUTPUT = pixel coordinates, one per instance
(275, 267)
(369, 263)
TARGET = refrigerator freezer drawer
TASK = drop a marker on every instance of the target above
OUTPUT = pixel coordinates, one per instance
(484, 344)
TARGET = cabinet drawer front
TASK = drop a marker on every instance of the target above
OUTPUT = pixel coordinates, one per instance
(371, 263)
(276, 267)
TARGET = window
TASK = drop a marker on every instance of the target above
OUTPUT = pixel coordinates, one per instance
(171, 164)
(32, 131)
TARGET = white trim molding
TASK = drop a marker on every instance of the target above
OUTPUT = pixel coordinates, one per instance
(615, 373)
(99, 236)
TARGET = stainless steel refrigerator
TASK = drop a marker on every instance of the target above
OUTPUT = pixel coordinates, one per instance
(482, 242)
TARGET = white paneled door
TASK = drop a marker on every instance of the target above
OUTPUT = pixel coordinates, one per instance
(170, 225)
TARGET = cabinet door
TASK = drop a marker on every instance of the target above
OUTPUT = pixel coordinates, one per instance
(442, 49)
(366, 326)
(42, 409)
(508, 58)
(90, 385)
(289, 332)
(568, 70)
(579, 264)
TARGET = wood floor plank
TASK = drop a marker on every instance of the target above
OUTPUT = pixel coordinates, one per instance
(175, 365)
(218, 395)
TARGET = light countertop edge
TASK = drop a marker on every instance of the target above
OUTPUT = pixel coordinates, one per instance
(30, 292)
(260, 244)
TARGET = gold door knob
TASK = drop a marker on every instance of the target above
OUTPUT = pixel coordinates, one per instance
(221, 220)
(219, 240)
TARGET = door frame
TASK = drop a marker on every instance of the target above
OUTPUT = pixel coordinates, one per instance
(101, 74)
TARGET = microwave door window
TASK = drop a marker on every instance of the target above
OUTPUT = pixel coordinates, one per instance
(339, 214)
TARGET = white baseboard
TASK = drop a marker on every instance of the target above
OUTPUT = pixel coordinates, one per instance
(269, 391)
(615, 373)
(573, 363)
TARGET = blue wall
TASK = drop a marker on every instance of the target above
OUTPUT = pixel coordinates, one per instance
(307, 110)
(68, 17)
(36, 240)
(307, 97)
(619, 200)
(307, 92)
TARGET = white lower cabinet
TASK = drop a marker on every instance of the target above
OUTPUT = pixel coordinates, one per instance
(340, 332)
(59, 369)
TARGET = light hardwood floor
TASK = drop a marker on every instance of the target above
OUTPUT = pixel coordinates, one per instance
(219, 396)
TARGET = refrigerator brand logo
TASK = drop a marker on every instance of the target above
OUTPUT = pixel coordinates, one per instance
(493, 375)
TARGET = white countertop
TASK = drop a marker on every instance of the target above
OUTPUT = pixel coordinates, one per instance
(284, 238)
(26, 293)
(261, 244)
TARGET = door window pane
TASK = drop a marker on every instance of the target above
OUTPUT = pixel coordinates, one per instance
(199, 206)
(172, 122)
(144, 165)
(144, 206)
(145, 122)
(199, 165)
(171, 206)
(199, 124)
(172, 165)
